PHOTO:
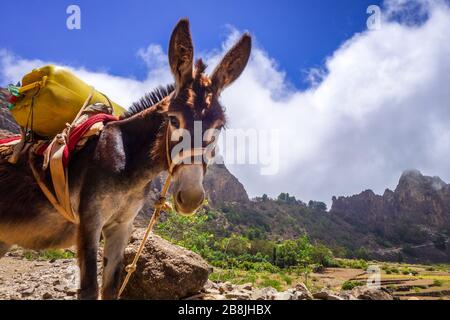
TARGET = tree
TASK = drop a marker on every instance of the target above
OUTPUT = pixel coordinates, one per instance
(264, 247)
(362, 253)
(317, 206)
(294, 252)
(322, 255)
(304, 250)
(286, 254)
(281, 197)
(235, 245)
(285, 197)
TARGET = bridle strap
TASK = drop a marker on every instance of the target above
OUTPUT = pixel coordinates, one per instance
(178, 159)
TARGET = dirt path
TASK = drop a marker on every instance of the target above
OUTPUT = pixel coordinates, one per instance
(21, 279)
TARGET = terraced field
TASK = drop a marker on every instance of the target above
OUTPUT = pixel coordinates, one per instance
(406, 282)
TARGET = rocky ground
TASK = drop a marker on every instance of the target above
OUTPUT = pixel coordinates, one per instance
(167, 271)
(164, 271)
(228, 291)
(21, 279)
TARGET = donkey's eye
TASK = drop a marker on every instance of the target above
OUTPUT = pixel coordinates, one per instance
(174, 122)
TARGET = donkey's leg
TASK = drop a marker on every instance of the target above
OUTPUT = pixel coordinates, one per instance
(88, 239)
(116, 239)
(4, 248)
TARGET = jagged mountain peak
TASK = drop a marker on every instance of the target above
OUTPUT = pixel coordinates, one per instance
(414, 179)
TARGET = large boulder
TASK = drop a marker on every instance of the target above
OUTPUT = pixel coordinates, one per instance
(164, 271)
(229, 291)
(367, 293)
(327, 295)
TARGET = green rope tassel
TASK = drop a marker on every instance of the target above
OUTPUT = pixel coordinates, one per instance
(15, 94)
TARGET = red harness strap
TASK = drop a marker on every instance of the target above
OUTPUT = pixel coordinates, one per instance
(77, 133)
(75, 136)
(9, 139)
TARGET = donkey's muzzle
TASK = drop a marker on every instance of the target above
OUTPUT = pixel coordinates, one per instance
(187, 202)
(188, 192)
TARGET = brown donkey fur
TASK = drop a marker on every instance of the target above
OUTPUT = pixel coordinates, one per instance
(110, 176)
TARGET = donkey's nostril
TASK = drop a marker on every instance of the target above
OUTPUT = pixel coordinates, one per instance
(179, 198)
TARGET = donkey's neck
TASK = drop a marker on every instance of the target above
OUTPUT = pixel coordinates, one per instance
(141, 135)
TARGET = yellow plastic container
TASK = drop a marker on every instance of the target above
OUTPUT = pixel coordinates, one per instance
(50, 97)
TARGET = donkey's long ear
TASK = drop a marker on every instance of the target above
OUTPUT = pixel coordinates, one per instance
(181, 53)
(232, 65)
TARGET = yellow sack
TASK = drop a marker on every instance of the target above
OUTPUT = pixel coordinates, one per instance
(50, 97)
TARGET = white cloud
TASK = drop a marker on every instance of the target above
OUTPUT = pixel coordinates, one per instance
(379, 106)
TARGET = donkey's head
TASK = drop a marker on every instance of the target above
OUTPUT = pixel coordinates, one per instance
(194, 109)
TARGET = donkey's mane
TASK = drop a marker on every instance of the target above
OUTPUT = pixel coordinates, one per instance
(148, 100)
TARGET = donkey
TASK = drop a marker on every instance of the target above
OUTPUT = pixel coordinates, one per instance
(110, 177)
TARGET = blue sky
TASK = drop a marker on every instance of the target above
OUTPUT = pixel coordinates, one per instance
(298, 34)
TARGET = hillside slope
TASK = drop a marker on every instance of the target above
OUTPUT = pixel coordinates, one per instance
(411, 223)
(7, 123)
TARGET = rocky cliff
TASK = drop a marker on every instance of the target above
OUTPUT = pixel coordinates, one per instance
(7, 123)
(415, 215)
(418, 201)
(221, 186)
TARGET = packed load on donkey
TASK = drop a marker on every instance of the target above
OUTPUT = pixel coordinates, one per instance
(50, 97)
(57, 112)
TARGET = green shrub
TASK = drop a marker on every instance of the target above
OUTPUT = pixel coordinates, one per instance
(405, 272)
(323, 256)
(271, 283)
(286, 278)
(437, 283)
(248, 252)
(350, 284)
(354, 264)
(50, 254)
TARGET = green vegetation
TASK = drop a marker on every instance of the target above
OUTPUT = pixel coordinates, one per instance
(246, 255)
(407, 271)
(437, 283)
(280, 281)
(317, 206)
(51, 254)
(354, 264)
(272, 283)
(245, 252)
(350, 284)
